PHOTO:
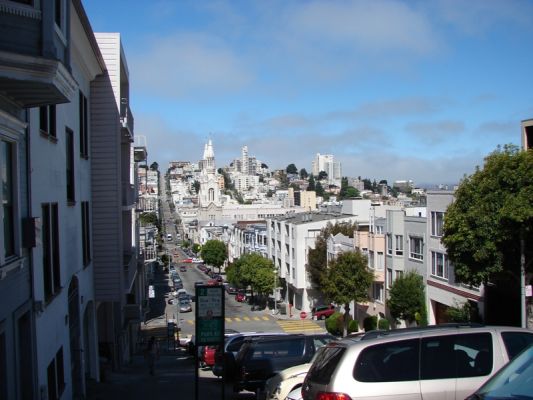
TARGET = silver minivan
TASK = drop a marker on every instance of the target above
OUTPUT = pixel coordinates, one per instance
(433, 363)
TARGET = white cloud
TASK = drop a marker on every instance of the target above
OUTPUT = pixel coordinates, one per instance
(188, 65)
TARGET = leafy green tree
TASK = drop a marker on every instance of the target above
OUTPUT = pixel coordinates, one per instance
(303, 174)
(215, 253)
(196, 248)
(347, 278)
(367, 184)
(165, 259)
(253, 270)
(291, 169)
(488, 230)
(319, 189)
(196, 186)
(322, 175)
(154, 166)
(149, 218)
(317, 256)
(491, 215)
(351, 192)
(407, 299)
(311, 186)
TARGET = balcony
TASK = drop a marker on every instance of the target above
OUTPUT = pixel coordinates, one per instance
(130, 270)
(34, 69)
(126, 121)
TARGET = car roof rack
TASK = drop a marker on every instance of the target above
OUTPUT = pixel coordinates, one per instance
(381, 333)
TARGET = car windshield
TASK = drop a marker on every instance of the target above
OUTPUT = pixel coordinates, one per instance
(515, 381)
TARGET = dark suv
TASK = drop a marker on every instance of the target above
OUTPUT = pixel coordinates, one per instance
(225, 356)
(261, 358)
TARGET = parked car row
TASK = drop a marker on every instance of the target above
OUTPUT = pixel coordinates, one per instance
(451, 360)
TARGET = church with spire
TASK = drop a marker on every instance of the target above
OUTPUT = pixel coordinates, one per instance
(209, 194)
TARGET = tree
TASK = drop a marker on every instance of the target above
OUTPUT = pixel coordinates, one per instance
(319, 189)
(196, 248)
(303, 174)
(149, 218)
(347, 278)
(215, 253)
(317, 256)
(196, 186)
(322, 175)
(491, 214)
(253, 270)
(291, 169)
(407, 299)
(346, 190)
(154, 166)
(487, 227)
(311, 184)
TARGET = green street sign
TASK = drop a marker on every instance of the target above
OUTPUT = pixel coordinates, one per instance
(209, 315)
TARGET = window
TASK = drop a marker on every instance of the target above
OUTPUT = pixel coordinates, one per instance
(58, 13)
(437, 222)
(439, 265)
(515, 342)
(399, 244)
(377, 292)
(84, 127)
(50, 241)
(86, 232)
(416, 247)
(69, 144)
(47, 121)
(389, 243)
(7, 198)
(456, 356)
(56, 376)
(388, 362)
(399, 274)
(389, 277)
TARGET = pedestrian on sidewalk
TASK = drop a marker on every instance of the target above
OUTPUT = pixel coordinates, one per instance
(151, 354)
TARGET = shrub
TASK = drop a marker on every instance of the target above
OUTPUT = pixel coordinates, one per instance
(353, 326)
(384, 324)
(334, 324)
(370, 323)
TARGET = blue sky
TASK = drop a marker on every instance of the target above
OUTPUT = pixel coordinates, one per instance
(420, 90)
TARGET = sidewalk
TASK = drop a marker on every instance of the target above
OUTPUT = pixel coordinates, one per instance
(174, 376)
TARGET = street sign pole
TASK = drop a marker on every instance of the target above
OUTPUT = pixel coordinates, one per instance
(209, 326)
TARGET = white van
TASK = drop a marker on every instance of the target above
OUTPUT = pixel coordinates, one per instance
(169, 236)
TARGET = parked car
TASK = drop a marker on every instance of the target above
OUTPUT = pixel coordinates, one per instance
(514, 381)
(185, 305)
(240, 296)
(322, 312)
(186, 260)
(296, 394)
(232, 344)
(231, 289)
(197, 260)
(261, 358)
(448, 361)
(182, 294)
(183, 268)
(284, 382)
(208, 356)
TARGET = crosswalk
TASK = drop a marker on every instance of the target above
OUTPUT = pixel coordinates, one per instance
(289, 326)
(301, 326)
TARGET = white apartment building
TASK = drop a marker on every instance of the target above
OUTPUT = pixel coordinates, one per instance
(327, 163)
(120, 289)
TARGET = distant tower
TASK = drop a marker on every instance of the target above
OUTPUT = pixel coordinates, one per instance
(245, 163)
(209, 187)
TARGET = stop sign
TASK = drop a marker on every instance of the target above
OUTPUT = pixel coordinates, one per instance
(303, 315)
